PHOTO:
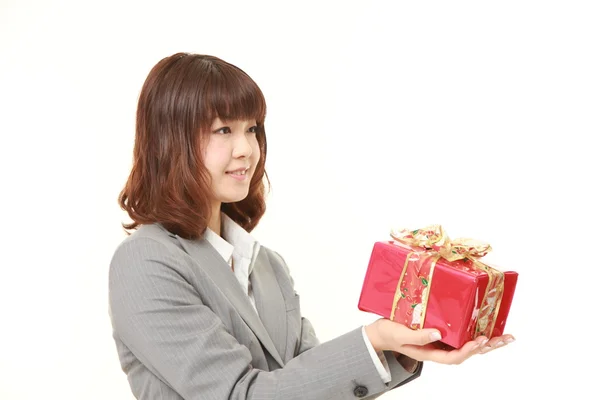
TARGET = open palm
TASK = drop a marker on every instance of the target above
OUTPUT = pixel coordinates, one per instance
(437, 352)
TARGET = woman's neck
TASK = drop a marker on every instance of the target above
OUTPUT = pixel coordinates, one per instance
(215, 220)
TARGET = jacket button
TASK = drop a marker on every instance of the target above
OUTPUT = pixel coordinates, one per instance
(360, 391)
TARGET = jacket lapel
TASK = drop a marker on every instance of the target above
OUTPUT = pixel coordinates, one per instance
(269, 301)
(216, 267)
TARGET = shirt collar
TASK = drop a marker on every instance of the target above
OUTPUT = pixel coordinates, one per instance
(224, 248)
(235, 240)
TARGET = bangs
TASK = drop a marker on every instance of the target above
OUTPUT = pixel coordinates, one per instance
(230, 94)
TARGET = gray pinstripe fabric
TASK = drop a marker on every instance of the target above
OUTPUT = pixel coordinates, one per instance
(184, 329)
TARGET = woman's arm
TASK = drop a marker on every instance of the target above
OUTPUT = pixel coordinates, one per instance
(161, 319)
(402, 369)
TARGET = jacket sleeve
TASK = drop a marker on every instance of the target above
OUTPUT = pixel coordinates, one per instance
(161, 319)
(399, 374)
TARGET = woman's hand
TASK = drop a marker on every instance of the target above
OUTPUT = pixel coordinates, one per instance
(423, 345)
(446, 355)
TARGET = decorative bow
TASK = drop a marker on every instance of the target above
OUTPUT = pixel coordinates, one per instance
(434, 238)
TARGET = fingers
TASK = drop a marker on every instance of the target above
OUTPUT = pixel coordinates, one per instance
(477, 345)
(458, 356)
(431, 352)
(496, 343)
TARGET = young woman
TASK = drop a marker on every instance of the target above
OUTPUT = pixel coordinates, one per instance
(201, 310)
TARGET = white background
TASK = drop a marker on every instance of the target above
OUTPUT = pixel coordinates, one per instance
(480, 116)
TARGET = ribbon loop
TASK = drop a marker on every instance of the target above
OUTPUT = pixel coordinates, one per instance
(434, 237)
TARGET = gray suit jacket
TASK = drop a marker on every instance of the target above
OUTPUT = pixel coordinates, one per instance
(184, 329)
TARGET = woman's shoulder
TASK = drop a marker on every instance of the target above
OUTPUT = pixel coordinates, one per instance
(145, 241)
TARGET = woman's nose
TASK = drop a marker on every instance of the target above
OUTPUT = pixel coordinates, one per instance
(242, 147)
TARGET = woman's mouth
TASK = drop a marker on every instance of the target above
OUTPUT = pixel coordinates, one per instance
(238, 174)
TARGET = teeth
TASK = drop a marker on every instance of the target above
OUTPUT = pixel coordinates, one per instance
(238, 173)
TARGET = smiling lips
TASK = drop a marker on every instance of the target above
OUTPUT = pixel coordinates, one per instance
(239, 174)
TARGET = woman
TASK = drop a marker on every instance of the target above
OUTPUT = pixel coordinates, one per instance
(200, 310)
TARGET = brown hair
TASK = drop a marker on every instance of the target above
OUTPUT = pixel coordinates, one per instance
(168, 183)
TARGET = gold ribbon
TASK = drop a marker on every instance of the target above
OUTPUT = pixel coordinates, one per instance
(428, 245)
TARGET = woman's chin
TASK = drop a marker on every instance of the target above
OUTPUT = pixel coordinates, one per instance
(234, 198)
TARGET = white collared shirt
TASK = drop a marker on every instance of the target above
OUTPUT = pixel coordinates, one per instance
(240, 249)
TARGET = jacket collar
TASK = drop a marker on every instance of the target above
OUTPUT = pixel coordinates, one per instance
(217, 268)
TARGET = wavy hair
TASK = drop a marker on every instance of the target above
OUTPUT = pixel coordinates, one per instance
(168, 182)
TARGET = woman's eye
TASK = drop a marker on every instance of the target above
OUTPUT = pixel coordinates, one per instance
(253, 129)
(223, 130)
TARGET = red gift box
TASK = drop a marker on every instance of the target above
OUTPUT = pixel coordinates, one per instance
(423, 280)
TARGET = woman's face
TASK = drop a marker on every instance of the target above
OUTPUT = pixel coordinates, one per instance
(231, 155)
